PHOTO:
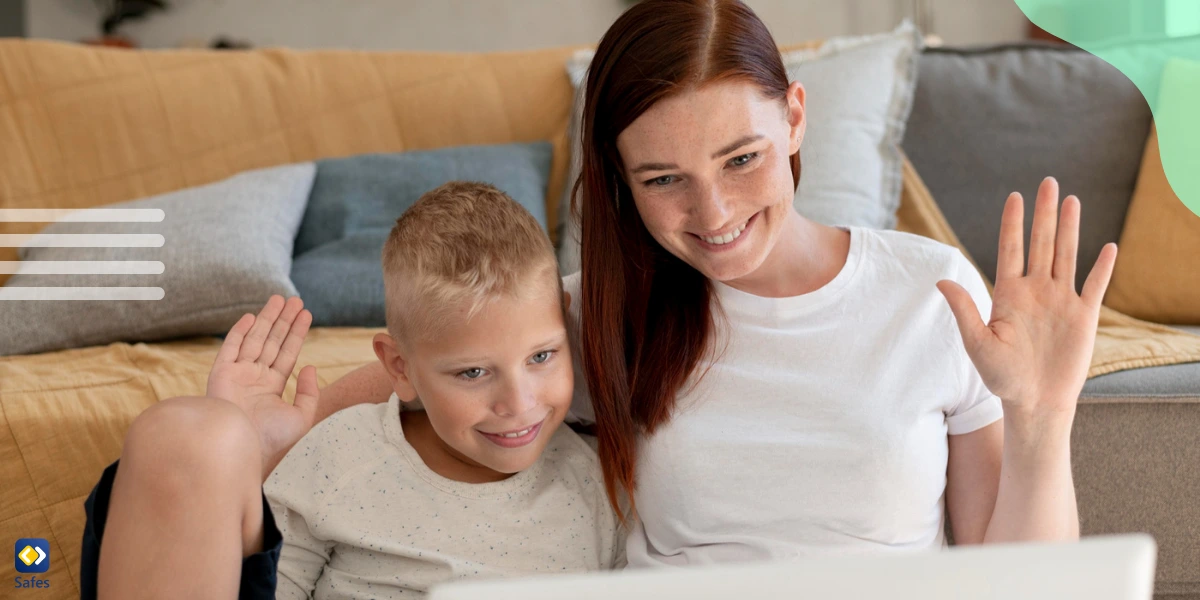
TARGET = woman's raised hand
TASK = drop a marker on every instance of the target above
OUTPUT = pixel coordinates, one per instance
(1035, 350)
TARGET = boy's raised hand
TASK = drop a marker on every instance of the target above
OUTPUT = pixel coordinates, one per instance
(252, 368)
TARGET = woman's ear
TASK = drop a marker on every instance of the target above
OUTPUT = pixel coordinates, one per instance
(795, 116)
(396, 365)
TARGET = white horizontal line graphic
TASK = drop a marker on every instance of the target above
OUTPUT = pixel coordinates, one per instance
(82, 240)
(81, 267)
(81, 293)
(86, 215)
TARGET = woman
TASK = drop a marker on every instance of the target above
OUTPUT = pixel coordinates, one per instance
(766, 386)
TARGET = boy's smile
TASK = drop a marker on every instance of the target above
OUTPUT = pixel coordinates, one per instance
(514, 439)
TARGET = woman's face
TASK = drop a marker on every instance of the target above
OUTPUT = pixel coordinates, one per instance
(710, 173)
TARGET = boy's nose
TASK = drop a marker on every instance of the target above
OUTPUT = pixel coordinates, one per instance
(518, 399)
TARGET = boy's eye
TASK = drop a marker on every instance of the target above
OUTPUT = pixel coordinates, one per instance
(542, 357)
(739, 161)
(475, 373)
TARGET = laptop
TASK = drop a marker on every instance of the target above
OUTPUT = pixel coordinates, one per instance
(1096, 568)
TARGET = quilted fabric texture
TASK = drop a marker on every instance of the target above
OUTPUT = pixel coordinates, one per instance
(83, 127)
(63, 417)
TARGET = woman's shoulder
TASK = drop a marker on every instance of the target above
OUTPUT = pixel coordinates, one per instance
(916, 255)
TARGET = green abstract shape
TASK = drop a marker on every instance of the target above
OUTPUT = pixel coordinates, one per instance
(1156, 44)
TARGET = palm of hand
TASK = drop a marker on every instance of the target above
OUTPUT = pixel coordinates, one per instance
(1035, 350)
(258, 390)
(252, 369)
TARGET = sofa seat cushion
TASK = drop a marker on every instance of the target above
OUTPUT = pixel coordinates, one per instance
(1171, 381)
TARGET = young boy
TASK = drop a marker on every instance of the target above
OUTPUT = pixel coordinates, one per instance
(465, 472)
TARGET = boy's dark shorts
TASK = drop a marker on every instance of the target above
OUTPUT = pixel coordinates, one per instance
(259, 571)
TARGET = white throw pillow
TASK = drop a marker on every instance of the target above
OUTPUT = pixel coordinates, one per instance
(858, 93)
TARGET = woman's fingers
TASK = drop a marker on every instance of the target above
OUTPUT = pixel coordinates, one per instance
(1066, 246)
(1010, 261)
(1045, 221)
(966, 313)
(280, 330)
(289, 351)
(233, 342)
(253, 344)
(1097, 281)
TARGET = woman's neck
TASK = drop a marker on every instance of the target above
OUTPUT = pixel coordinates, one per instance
(806, 256)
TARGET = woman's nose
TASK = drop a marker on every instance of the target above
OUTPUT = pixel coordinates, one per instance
(710, 208)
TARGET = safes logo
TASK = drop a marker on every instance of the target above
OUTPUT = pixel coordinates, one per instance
(32, 555)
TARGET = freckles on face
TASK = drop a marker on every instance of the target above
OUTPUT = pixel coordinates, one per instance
(710, 175)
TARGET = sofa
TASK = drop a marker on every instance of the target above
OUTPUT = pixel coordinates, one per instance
(83, 127)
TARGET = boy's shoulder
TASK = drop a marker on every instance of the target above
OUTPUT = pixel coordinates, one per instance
(568, 453)
(338, 444)
(360, 424)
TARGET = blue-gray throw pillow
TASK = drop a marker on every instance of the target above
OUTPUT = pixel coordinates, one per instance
(355, 202)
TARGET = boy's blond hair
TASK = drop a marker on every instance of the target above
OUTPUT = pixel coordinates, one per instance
(458, 247)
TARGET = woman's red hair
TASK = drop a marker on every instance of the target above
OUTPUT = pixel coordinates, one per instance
(646, 315)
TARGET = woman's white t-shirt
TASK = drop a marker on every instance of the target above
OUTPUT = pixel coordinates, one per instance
(822, 426)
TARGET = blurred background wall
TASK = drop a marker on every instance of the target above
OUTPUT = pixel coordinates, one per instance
(478, 25)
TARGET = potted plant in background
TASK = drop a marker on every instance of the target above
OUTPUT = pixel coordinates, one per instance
(115, 12)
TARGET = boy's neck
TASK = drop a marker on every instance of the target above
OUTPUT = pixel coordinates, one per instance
(439, 456)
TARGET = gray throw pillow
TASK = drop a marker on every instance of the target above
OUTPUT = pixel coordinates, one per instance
(226, 248)
(356, 201)
(987, 122)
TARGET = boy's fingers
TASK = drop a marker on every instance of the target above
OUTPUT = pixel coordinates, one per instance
(253, 344)
(233, 342)
(289, 352)
(279, 330)
(307, 393)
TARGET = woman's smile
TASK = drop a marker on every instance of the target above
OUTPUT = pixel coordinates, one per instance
(727, 240)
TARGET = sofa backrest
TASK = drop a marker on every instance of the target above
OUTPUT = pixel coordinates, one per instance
(83, 127)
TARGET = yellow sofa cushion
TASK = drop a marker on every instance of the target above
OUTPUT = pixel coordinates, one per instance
(1157, 275)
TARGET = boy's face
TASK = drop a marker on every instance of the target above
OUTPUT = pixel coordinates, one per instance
(495, 387)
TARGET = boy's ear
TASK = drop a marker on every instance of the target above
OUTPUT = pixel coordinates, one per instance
(397, 367)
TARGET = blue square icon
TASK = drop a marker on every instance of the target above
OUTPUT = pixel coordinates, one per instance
(32, 555)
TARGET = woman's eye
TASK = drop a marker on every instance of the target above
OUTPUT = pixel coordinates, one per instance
(475, 373)
(662, 181)
(542, 357)
(744, 159)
